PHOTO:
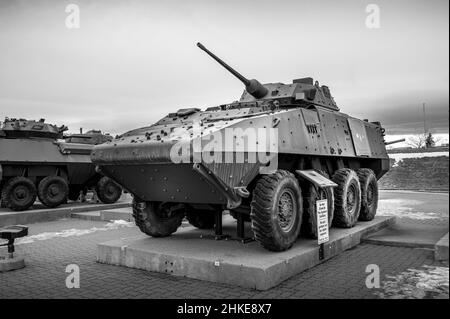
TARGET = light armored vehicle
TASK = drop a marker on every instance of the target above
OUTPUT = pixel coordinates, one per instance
(197, 163)
(35, 162)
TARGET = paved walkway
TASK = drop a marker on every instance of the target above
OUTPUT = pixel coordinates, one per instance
(422, 218)
(404, 272)
(52, 246)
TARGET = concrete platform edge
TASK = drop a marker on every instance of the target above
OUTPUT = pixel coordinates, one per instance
(44, 215)
(441, 249)
(122, 253)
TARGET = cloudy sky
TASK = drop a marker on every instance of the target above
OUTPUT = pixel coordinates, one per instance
(132, 62)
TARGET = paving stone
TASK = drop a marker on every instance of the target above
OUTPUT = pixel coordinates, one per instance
(44, 276)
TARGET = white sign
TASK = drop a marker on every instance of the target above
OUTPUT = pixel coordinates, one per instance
(322, 221)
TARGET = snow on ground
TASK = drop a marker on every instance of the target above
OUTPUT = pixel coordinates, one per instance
(402, 208)
(74, 232)
(427, 282)
(400, 156)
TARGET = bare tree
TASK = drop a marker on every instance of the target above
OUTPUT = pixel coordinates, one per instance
(429, 141)
(417, 141)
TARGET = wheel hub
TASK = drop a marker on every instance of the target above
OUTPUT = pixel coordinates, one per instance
(20, 193)
(53, 190)
(110, 189)
(167, 210)
(351, 198)
(286, 210)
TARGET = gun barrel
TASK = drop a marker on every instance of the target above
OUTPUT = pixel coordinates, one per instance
(253, 87)
(226, 66)
(395, 141)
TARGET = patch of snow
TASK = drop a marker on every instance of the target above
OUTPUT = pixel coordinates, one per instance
(74, 232)
(404, 208)
(398, 157)
(428, 282)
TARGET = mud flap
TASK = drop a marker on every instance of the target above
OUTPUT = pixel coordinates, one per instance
(316, 178)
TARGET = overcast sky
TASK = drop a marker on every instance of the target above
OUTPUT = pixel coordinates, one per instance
(132, 62)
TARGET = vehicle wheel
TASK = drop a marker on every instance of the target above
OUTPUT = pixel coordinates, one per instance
(158, 219)
(369, 194)
(107, 190)
(312, 194)
(276, 211)
(74, 193)
(53, 191)
(19, 193)
(202, 219)
(347, 198)
(2, 202)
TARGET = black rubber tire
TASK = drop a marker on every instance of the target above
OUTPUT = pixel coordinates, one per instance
(74, 193)
(369, 194)
(345, 215)
(311, 194)
(12, 200)
(265, 216)
(2, 202)
(53, 191)
(107, 190)
(158, 219)
(202, 219)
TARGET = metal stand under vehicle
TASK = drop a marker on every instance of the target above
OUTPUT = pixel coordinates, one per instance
(240, 229)
(218, 228)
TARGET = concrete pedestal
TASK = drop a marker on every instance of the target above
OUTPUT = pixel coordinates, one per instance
(11, 263)
(193, 253)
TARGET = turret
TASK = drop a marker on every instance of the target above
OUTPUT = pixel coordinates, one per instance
(302, 92)
(93, 137)
(253, 87)
(22, 128)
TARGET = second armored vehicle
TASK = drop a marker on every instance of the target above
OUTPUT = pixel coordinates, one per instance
(35, 162)
(197, 163)
(92, 137)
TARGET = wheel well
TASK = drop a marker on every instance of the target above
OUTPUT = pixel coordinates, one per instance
(328, 164)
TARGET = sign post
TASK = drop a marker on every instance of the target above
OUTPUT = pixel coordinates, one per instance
(322, 225)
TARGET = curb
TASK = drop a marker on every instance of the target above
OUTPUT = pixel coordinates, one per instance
(45, 215)
(441, 249)
(419, 190)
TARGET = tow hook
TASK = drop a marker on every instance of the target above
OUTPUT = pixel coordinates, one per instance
(242, 192)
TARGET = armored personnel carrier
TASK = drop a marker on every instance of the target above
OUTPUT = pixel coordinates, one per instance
(268, 158)
(35, 161)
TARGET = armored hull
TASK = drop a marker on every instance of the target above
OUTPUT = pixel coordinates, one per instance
(307, 138)
(267, 157)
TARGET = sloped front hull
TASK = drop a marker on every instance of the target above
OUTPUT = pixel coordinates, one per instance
(185, 182)
(165, 182)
